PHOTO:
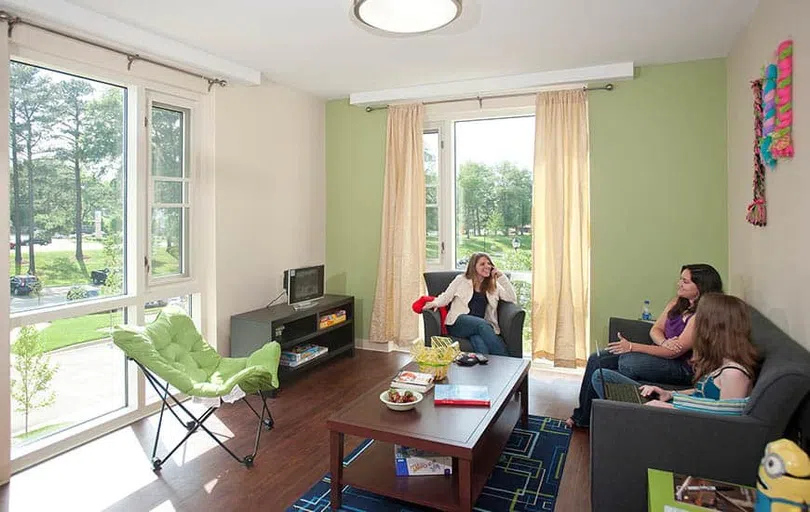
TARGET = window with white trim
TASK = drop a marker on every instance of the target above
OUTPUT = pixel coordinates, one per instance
(100, 229)
(478, 191)
(169, 199)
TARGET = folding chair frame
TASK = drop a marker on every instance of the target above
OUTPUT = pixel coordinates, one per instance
(197, 422)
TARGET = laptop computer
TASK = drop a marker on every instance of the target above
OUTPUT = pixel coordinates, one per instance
(618, 392)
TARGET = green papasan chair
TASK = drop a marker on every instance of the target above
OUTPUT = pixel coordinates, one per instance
(170, 351)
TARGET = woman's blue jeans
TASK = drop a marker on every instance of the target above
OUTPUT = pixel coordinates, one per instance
(636, 367)
(480, 333)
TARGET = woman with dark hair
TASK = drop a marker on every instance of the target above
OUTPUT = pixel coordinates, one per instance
(667, 360)
(473, 298)
(725, 362)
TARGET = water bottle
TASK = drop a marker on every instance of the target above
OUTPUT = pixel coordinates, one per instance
(645, 311)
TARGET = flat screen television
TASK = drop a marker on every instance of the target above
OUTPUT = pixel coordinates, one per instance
(304, 285)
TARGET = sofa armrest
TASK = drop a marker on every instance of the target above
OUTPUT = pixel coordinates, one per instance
(510, 320)
(433, 324)
(627, 439)
(636, 331)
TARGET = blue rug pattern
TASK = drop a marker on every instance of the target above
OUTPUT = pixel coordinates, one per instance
(526, 478)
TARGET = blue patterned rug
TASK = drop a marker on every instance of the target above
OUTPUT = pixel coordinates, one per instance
(526, 478)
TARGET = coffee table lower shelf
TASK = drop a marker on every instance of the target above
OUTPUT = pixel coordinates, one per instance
(373, 471)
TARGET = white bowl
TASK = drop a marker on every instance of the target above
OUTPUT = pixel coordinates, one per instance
(400, 407)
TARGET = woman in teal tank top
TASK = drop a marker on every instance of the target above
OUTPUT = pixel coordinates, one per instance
(723, 358)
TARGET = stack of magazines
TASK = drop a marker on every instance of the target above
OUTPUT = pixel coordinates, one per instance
(414, 381)
(301, 354)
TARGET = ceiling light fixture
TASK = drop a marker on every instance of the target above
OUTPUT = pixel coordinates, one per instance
(407, 16)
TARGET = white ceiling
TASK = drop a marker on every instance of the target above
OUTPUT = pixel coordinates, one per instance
(316, 46)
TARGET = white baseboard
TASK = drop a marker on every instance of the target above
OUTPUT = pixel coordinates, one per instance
(379, 347)
(373, 346)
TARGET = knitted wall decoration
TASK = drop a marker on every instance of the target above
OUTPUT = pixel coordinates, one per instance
(768, 114)
(757, 214)
(781, 140)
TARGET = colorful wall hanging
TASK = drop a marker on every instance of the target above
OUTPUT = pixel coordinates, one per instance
(768, 114)
(781, 140)
(757, 214)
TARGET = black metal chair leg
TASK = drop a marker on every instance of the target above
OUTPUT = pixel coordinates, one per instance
(198, 423)
(204, 417)
(160, 424)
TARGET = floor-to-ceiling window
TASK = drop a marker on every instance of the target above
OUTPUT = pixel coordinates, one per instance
(478, 177)
(100, 220)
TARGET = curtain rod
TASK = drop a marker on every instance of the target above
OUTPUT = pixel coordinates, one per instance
(131, 57)
(607, 87)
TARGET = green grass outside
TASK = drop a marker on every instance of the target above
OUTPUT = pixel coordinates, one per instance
(59, 268)
(71, 331)
(498, 247)
(41, 432)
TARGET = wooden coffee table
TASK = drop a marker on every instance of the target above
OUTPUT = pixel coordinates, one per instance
(473, 436)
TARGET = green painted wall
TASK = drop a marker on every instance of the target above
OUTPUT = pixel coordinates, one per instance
(355, 167)
(658, 189)
(658, 185)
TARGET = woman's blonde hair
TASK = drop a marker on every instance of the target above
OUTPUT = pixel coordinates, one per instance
(489, 283)
(722, 331)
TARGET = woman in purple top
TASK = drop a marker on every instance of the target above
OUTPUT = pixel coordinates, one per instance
(667, 360)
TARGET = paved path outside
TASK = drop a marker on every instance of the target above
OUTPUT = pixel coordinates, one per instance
(89, 382)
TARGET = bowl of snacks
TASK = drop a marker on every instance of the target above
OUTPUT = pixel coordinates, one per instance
(400, 399)
(436, 358)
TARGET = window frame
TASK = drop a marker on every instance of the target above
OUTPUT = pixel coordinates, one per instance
(191, 153)
(444, 118)
(438, 129)
(46, 51)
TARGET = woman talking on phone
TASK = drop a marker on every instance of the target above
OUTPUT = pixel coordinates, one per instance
(473, 298)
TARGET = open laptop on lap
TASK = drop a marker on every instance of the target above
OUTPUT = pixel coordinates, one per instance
(619, 392)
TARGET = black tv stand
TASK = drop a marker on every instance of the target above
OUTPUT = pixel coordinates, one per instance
(290, 326)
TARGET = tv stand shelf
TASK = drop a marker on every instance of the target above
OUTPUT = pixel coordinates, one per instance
(290, 327)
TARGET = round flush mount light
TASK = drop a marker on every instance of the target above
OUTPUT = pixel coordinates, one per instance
(407, 16)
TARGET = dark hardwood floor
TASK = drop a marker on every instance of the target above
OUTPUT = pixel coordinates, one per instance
(114, 472)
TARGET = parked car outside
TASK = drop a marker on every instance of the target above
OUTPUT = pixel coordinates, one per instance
(37, 241)
(99, 277)
(23, 285)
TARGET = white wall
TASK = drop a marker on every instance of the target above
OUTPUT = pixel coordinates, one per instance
(770, 266)
(270, 195)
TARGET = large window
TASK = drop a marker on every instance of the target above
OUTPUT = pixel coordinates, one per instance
(68, 170)
(488, 207)
(99, 225)
(67, 223)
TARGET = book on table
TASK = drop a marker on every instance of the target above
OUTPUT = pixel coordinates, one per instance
(414, 381)
(675, 492)
(461, 394)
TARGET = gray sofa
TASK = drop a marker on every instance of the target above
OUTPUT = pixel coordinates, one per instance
(510, 316)
(627, 439)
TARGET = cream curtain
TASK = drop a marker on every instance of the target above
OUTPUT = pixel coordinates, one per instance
(561, 241)
(402, 241)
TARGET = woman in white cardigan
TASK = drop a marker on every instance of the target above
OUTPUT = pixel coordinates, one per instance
(473, 297)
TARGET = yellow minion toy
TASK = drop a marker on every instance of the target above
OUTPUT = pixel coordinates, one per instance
(783, 480)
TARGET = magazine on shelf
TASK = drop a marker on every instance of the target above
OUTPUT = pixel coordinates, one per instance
(674, 492)
(461, 394)
(291, 360)
(414, 381)
(299, 352)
